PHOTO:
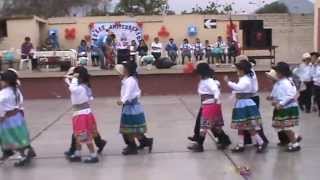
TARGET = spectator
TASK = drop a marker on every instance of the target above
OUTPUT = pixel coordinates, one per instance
(95, 55)
(83, 49)
(172, 49)
(133, 50)
(27, 52)
(123, 50)
(232, 50)
(198, 50)
(219, 50)
(53, 38)
(208, 53)
(156, 48)
(142, 48)
(186, 49)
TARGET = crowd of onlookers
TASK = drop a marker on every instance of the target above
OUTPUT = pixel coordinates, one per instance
(106, 51)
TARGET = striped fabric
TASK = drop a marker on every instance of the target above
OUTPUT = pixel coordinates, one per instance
(245, 115)
(286, 118)
(14, 133)
(133, 118)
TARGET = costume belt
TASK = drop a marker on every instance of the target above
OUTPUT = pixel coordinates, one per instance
(79, 107)
(245, 95)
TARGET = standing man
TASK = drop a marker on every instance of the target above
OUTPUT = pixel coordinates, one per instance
(26, 52)
(304, 72)
(172, 50)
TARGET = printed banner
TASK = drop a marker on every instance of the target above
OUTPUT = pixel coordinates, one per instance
(129, 30)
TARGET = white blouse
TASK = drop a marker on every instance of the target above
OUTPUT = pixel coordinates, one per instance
(129, 89)
(244, 85)
(304, 72)
(79, 93)
(284, 91)
(156, 47)
(198, 47)
(8, 100)
(210, 87)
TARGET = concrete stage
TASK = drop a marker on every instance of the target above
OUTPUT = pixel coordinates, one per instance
(170, 121)
(42, 85)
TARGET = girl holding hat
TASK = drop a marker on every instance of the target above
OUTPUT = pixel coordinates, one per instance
(245, 115)
(14, 133)
(210, 110)
(133, 124)
(83, 121)
(286, 111)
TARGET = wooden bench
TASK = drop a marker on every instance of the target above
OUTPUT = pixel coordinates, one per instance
(271, 56)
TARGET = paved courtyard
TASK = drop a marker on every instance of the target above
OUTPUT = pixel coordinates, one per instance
(170, 121)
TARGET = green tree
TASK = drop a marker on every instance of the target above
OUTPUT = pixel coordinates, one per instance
(139, 7)
(274, 7)
(42, 8)
(211, 8)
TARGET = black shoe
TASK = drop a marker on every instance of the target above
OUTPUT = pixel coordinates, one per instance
(196, 148)
(293, 149)
(74, 158)
(129, 151)
(238, 149)
(6, 155)
(299, 139)
(68, 153)
(262, 148)
(91, 160)
(193, 138)
(101, 146)
(31, 153)
(22, 162)
(146, 142)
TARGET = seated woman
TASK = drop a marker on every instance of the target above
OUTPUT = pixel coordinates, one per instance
(83, 49)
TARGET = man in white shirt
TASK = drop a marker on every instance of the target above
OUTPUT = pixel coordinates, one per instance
(304, 72)
(156, 48)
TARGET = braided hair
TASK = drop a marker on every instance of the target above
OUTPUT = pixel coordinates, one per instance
(11, 78)
(246, 67)
(204, 70)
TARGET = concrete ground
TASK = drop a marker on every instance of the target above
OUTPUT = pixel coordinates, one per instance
(170, 121)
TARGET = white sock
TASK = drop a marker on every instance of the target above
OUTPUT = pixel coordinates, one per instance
(258, 139)
(241, 141)
(295, 145)
(77, 153)
(93, 155)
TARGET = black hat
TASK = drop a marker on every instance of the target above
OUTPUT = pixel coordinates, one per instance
(283, 68)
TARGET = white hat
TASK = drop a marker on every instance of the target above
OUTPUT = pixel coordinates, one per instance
(120, 69)
(15, 71)
(272, 74)
(241, 57)
(306, 56)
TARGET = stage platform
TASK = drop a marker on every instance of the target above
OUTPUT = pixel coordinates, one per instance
(50, 84)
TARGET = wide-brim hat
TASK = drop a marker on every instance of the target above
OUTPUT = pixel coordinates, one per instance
(241, 57)
(120, 69)
(272, 74)
(283, 68)
(306, 56)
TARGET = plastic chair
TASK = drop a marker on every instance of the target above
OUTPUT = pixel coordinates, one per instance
(24, 61)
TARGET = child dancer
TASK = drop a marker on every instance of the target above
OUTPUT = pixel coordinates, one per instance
(245, 115)
(286, 112)
(14, 133)
(84, 123)
(210, 111)
(133, 124)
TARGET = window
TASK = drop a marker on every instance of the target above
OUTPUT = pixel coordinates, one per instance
(3, 28)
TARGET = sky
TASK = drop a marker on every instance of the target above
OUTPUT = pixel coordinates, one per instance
(240, 5)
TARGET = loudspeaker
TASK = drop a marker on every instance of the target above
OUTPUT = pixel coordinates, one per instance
(257, 38)
(251, 25)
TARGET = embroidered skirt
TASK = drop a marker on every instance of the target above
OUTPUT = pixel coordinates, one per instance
(286, 118)
(211, 116)
(84, 127)
(245, 115)
(133, 118)
(14, 133)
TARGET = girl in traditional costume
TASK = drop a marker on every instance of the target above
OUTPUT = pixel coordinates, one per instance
(133, 124)
(245, 115)
(83, 121)
(14, 134)
(211, 118)
(286, 109)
